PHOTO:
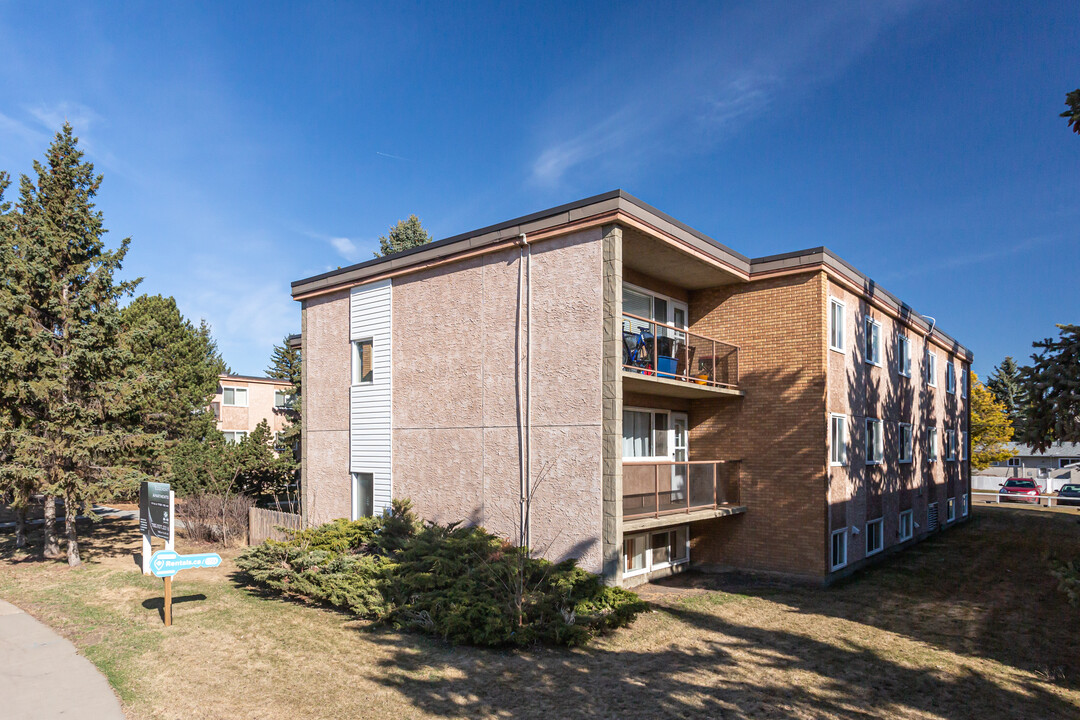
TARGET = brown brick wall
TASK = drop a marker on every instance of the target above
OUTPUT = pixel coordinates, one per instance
(778, 429)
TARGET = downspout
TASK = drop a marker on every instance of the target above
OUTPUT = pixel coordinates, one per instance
(525, 265)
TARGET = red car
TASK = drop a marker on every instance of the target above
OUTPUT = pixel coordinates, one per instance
(1020, 491)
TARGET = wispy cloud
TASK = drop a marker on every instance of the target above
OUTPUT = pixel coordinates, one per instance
(347, 248)
(707, 93)
(393, 157)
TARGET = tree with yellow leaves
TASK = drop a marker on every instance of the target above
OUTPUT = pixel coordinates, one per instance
(990, 427)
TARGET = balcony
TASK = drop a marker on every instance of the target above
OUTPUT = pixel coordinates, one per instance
(663, 359)
(665, 492)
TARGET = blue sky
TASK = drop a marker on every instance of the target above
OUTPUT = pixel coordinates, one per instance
(247, 145)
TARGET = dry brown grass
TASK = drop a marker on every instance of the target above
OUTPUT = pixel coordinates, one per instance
(968, 624)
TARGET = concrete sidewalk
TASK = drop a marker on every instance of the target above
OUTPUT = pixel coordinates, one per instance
(42, 676)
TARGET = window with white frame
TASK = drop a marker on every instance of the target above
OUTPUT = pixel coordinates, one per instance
(873, 341)
(283, 399)
(907, 525)
(931, 444)
(903, 355)
(363, 495)
(931, 368)
(839, 548)
(234, 436)
(950, 445)
(964, 499)
(875, 445)
(646, 552)
(1062, 462)
(950, 510)
(964, 382)
(836, 324)
(961, 444)
(362, 351)
(905, 442)
(234, 396)
(1014, 462)
(838, 439)
(874, 537)
(645, 433)
(950, 378)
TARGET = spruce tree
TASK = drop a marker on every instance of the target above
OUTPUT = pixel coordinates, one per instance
(1008, 389)
(72, 374)
(1052, 387)
(406, 234)
(285, 364)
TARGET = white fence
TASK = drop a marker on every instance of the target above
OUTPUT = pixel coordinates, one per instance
(997, 497)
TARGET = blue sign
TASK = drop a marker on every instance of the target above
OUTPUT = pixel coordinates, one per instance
(166, 563)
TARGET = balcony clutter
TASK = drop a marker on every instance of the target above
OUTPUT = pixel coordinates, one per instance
(656, 349)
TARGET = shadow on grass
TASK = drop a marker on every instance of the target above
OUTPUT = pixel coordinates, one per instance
(98, 539)
(982, 589)
(158, 603)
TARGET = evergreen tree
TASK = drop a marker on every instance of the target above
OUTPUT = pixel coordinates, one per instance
(1008, 389)
(285, 365)
(406, 234)
(1072, 101)
(72, 378)
(990, 428)
(1052, 386)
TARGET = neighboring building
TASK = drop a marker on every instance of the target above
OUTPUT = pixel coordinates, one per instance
(1056, 456)
(1058, 465)
(662, 399)
(242, 402)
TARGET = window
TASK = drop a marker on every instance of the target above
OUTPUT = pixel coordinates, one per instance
(906, 529)
(905, 442)
(964, 499)
(1014, 462)
(931, 369)
(363, 495)
(838, 440)
(361, 362)
(875, 449)
(931, 444)
(651, 306)
(645, 433)
(950, 510)
(839, 549)
(836, 325)
(1062, 462)
(950, 378)
(646, 552)
(961, 444)
(234, 397)
(950, 444)
(873, 341)
(234, 436)
(963, 382)
(874, 537)
(931, 517)
(283, 399)
(903, 355)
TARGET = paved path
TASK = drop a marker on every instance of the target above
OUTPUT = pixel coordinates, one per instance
(42, 676)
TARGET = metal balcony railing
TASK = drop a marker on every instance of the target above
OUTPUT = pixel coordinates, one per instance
(652, 488)
(661, 350)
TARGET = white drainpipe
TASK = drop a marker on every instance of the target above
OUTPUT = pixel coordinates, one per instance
(525, 415)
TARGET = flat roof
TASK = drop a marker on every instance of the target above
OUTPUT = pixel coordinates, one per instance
(255, 378)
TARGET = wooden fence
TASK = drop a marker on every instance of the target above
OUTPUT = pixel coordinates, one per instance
(264, 525)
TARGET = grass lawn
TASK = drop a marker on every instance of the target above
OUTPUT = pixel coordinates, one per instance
(968, 624)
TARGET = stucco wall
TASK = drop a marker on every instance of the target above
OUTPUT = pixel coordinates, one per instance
(260, 406)
(859, 492)
(326, 486)
(455, 437)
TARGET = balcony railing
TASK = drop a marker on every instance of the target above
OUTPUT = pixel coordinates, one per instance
(660, 350)
(652, 488)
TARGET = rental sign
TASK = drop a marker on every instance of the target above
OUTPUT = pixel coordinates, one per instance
(166, 563)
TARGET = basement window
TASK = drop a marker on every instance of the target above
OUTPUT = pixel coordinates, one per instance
(839, 549)
(907, 525)
(874, 537)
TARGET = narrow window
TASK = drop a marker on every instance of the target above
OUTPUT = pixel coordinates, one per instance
(874, 537)
(838, 440)
(361, 362)
(836, 325)
(363, 495)
(950, 445)
(964, 505)
(931, 368)
(906, 529)
(964, 382)
(961, 444)
(951, 510)
(903, 355)
(905, 442)
(950, 378)
(873, 341)
(874, 446)
(839, 549)
(931, 444)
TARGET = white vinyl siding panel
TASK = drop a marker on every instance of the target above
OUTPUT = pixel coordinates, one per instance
(370, 423)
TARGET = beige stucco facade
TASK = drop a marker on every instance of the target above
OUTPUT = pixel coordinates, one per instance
(259, 404)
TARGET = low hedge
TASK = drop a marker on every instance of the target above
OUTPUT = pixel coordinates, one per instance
(463, 584)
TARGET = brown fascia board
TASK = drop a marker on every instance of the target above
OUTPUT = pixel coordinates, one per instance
(610, 202)
(825, 256)
(254, 378)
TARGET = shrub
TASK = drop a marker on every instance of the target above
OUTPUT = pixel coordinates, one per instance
(463, 584)
(212, 517)
(1068, 577)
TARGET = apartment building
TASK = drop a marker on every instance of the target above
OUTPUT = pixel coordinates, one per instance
(242, 402)
(621, 388)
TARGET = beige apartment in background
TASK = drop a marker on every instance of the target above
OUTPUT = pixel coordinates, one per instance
(242, 402)
(632, 393)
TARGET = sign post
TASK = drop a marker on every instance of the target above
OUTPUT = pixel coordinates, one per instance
(156, 511)
(168, 562)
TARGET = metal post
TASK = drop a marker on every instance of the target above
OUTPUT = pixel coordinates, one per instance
(656, 490)
(687, 488)
(168, 602)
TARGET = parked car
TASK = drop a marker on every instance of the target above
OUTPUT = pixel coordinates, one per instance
(1069, 495)
(1017, 490)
